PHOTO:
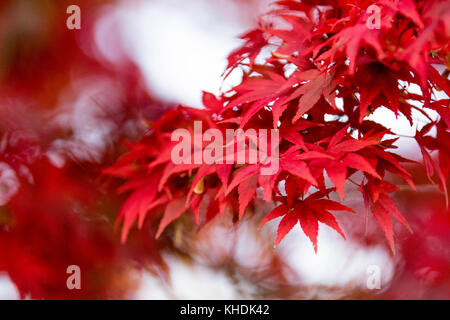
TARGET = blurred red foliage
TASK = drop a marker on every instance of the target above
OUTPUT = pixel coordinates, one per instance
(58, 208)
(56, 211)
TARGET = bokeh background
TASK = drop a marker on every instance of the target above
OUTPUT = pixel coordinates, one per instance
(68, 101)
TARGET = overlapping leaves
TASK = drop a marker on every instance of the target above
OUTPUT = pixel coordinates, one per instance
(326, 75)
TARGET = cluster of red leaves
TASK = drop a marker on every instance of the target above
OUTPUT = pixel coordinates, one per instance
(315, 71)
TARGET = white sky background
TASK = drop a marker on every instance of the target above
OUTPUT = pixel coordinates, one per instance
(182, 46)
